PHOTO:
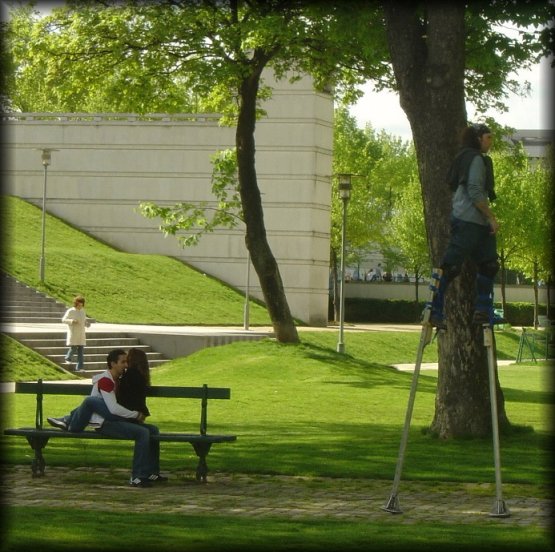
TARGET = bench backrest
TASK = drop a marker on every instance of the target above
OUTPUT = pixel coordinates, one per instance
(40, 388)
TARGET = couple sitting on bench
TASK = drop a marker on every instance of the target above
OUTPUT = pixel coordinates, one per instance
(117, 408)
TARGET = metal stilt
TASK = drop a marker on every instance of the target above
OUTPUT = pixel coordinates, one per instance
(499, 507)
(392, 505)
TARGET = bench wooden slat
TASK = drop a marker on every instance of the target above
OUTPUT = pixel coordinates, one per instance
(91, 434)
(167, 391)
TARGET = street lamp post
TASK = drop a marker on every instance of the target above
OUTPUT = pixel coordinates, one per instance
(247, 293)
(46, 160)
(345, 195)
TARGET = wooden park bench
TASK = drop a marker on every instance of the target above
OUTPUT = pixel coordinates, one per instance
(38, 436)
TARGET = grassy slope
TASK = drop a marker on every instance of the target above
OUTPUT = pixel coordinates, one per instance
(119, 287)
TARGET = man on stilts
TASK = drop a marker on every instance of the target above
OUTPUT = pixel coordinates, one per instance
(473, 235)
(473, 225)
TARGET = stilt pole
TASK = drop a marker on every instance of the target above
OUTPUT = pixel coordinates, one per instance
(392, 504)
(499, 508)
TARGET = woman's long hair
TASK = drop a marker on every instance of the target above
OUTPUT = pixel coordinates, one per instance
(137, 360)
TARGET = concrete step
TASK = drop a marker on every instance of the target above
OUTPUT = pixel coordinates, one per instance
(32, 309)
(99, 364)
(90, 352)
(60, 333)
(93, 345)
(30, 319)
(37, 303)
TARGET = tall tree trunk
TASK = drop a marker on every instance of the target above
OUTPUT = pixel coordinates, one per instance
(416, 285)
(256, 241)
(427, 53)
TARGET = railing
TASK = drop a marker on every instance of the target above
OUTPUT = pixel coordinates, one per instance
(102, 117)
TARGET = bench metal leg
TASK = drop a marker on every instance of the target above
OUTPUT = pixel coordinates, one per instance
(38, 465)
(202, 450)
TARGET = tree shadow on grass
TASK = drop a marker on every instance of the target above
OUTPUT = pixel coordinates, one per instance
(524, 396)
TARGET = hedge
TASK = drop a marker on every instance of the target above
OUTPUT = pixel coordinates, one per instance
(400, 311)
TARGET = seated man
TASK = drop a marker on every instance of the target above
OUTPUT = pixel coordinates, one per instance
(102, 411)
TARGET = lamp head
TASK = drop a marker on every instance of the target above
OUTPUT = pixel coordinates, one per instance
(345, 186)
(46, 157)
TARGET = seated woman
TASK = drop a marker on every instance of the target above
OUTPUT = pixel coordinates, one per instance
(130, 393)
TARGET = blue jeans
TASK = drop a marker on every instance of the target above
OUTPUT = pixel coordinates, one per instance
(474, 241)
(80, 350)
(469, 240)
(79, 417)
(146, 454)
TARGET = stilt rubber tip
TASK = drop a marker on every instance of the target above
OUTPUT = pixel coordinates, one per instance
(500, 509)
(392, 505)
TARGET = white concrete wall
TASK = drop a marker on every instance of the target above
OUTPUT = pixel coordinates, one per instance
(387, 290)
(104, 168)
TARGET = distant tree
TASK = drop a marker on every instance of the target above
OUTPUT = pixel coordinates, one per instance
(535, 258)
(406, 232)
(381, 165)
(511, 206)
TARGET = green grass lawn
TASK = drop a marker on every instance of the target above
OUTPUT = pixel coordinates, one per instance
(307, 410)
(154, 532)
(343, 415)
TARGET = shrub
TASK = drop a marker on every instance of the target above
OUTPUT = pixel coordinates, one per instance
(360, 310)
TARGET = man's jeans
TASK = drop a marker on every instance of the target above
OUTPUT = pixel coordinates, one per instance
(78, 419)
(80, 350)
(146, 455)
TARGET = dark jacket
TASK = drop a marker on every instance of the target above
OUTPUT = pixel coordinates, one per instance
(131, 391)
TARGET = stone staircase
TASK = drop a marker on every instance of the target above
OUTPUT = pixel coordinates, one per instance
(24, 305)
(52, 346)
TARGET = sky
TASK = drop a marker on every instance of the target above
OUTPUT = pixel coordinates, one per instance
(382, 110)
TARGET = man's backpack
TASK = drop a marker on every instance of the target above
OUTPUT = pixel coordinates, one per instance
(460, 167)
(458, 171)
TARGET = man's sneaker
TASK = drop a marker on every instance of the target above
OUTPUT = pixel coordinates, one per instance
(140, 483)
(57, 422)
(483, 317)
(498, 320)
(480, 317)
(157, 478)
(438, 322)
(67, 362)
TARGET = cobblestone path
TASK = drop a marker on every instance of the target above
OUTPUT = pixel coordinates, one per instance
(276, 496)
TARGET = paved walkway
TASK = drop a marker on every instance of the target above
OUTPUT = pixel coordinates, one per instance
(258, 496)
(202, 330)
